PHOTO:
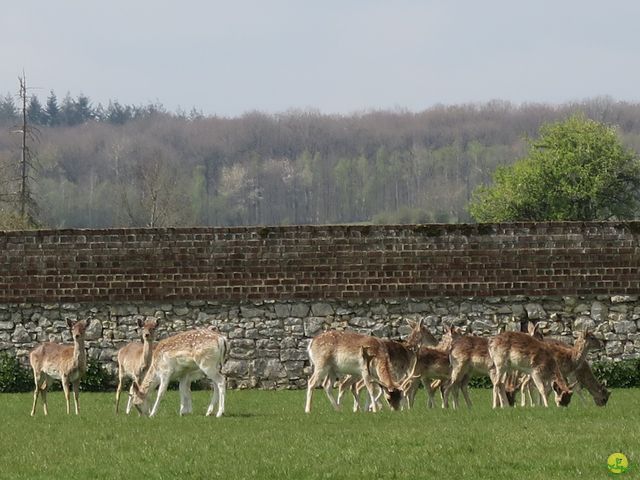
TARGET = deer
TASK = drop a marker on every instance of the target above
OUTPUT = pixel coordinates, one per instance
(185, 357)
(520, 351)
(431, 364)
(571, 359)
(336, 353)
(67, 363)
(134, 359)
(401, 354)
(469, 357)
(584, 375)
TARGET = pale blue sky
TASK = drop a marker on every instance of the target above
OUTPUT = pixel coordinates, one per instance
(336, 56)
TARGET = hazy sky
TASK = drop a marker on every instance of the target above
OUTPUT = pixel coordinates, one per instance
(337, 56)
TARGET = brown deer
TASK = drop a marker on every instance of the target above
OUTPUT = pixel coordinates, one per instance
(520, 351)
(572, 359)
(469, 357)
(431, 364)
(67, 363)
(401, 355)
(584, 375)
(134, 359)
(185, 357)
(336, 353)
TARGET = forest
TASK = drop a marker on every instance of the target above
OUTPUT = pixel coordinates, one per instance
(143, 166)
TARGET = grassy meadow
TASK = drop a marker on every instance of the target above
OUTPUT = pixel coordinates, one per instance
(265, 434)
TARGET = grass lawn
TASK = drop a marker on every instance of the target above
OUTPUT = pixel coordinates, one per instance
(265, 434)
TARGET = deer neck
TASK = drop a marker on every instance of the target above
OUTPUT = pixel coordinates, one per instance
(383, 370)
(147, 352)
(579, 352)
(80, 354)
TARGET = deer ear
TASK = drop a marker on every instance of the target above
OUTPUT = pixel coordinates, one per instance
(140, 323)
(69, 323)
(411, 323)
(421, 322)
(556, 387)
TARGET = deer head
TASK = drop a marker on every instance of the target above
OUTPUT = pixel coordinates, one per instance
(562, 396)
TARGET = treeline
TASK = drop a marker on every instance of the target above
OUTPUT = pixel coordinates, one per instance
(151, 167)
(75, 111)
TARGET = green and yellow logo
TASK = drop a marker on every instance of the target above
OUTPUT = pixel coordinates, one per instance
(617, 463)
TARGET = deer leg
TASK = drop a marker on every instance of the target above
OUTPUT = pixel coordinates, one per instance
(464, 386)
(164, 383)
(540, 384)
(76, 392)
(65, 387)
(499, 393)
(185, 395)
(118, 390)
(36, 392)
(355, 392)
(369, 387)
(130, 399)
(311, 384)
(328, 389)
(221, 384)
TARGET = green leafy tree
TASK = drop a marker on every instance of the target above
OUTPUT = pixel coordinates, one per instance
(577, 170)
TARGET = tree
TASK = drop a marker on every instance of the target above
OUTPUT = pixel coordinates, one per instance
(8, 110)
(52, 110)
(35, 113)
(578, 169)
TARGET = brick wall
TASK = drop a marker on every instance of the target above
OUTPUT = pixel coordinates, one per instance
(320, 262)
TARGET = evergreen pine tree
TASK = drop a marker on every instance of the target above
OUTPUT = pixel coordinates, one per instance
(52, 110)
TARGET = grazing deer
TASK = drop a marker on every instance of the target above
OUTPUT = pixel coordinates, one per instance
(588, 380)
(401, 355)
(134, 359)
(185, 357)
(573, 365)
(336, 353)
(67, 363)
(520, 351)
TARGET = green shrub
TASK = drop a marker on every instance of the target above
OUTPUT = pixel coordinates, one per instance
(13, 376)
(97, 379)
(622, 374)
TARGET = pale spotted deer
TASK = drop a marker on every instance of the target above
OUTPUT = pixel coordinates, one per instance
(520, 351)
(67, 363)
(134, 360)
(334, 353)
(185, 357)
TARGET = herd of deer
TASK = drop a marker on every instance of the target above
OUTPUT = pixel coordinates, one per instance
(512, 360)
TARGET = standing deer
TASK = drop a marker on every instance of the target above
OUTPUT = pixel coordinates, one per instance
(431, 364)
(469, 357)
(185, 357)
(520, 351)
(134, 359)
(336, 353)
(67, 363)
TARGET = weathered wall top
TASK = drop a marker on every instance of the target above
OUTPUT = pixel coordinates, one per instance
(320, 262)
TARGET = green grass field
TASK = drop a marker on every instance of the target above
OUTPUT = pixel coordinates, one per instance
(265, 434)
